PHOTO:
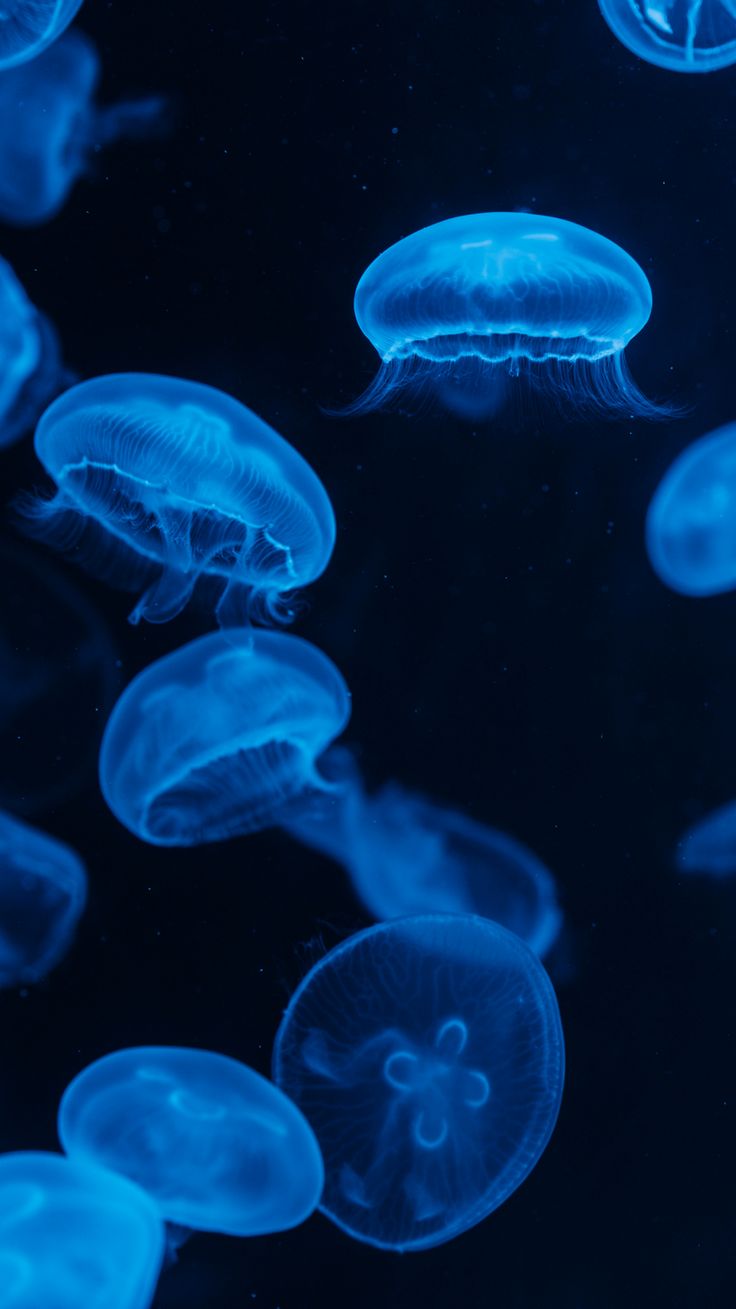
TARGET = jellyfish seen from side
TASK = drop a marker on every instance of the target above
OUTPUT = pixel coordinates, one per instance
(73, 1235)
(427, 1054)
(28, 26)
(685, 36)
(43, 891)
(467, 306)
(50, 127)
(709, 846)
(691, 521)
(216, 1146)
(218, 738)
(31, 370)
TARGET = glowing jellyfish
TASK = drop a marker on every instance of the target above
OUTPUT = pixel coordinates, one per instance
(709, 846)
(407, 855)
(465, 305)
(164, 479)
(50, 126)
(73, 1235)
(43, 891)
(216, 1146)
(28, 26)
(687, 36)
(31, 370)
(691, 523)
(427, 1054)
(216, 739)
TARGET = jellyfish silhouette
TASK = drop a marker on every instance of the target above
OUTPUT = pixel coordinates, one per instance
(691, 522)
(161, 482)
(73, 1235)
(28, 26)
(31, 371)
(218, 738)
(709, 846)
(686, 36)
(43, 891)
(427, 1054)
(50, 126)
(467, 305)
(407, 855)
(216, 1146)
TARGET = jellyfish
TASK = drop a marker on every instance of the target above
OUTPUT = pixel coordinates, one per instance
(691, 522)
(50, 126)
(407, 855)
(216, 1146)
(28, 26)
(686, 36)
(161, 482)
(31, 371)
(467, 306)
(72, 1235)
(709, 846)
(218, 738)
(43, 891)
(427, 1054)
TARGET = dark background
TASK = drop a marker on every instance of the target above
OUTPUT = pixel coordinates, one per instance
(489, 601)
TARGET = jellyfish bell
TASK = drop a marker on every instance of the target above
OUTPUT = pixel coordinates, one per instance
(691, 520)
(31, 371)
(470, 305)
(27, 27)
(709, 845)
(684, 36)
(162, 481)
(43, 892)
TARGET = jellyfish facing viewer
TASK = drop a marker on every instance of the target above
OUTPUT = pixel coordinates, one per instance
(685, 36)
(43, 891)
(27, 27)
(31, 371)
(691, 521)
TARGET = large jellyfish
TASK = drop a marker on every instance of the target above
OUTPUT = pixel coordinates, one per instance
(427, 1054)
(31, 371)
(161, 482)
(709, 846)
(691, 523)
(28, 26)
(50, 127)
(466, 306)
(216, 1146)
(218, 738)
(72, 1235)
(687, 36)
(43, 891)
(407, 855)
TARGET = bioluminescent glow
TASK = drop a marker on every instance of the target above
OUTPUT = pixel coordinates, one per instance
(709, 846)
(216, 1146)
(691, 523)
(427, 1054)
(50, 127)
(43, 891)
(72, 1235)
(28, 26)
(216, 739)
(162, 481)
(31, 370)
(465, 305)
(686, 36)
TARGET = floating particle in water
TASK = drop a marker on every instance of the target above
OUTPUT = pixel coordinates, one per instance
(691, 522)
(28, 26)
(43, 891)
(31, 370)
(686, 36)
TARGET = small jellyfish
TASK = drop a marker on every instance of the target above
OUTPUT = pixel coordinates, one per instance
(43, 891)
(31, 371)
(50, 126)
(466, 306)
(686, 36)
(427, 1054)
(709, 846)
(691, 522)
(406, 855)
(218, 738)
(161, 482)
(72, 1235)
(217, 1147)
(28, 26)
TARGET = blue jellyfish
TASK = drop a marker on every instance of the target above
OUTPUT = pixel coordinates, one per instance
(31, 371)
(686, 36)
(216, 1146)
(28, 26)
(406, 855)
(43, 891)
(50, 126)
(691, 523)
(709, 846)
(161, 482)
(468, 304)
(73, 1235)
(216, 739)
(427, 1054)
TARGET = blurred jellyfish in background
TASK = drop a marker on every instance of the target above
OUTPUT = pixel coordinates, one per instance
(691, 522)
(43, 891)
(50, 127)
(58, 678)
(31, 371)
(28, 26)
(709, 846)
(72, 1236)
(407, 855)
(427, 1054)
(686, 36)
(161, 482)
(217, 1147)
(466, 306)
(218, 738)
